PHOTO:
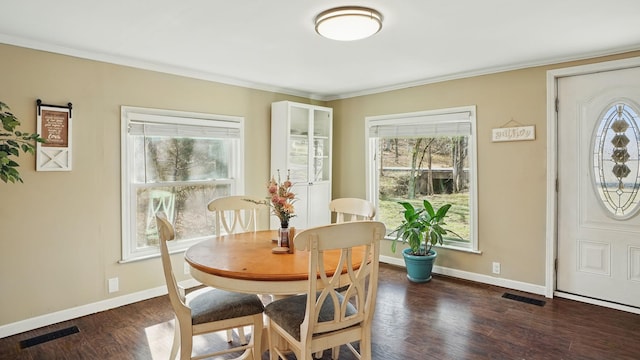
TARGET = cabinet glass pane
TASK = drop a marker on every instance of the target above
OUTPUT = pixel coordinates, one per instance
(320, 159)
(321, 123)
(299, 121)
(321, 146)
(299, 158)
(299, 145)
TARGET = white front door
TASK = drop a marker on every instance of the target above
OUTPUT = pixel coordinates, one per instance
(598, 185)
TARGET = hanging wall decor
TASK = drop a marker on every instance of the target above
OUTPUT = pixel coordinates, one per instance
(54, 126)
(513, 131)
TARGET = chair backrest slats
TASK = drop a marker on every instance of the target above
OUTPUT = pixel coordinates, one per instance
(352, 209)
(235, 214)
(357, 304)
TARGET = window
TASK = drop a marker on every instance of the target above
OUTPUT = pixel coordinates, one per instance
(425, 155)
(616, 151)
(175, 162)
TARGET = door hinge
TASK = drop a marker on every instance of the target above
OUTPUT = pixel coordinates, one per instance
(555, 265)
(557, 104)
(557, 185)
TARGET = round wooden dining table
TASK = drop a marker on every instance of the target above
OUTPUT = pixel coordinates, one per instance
(244, 262)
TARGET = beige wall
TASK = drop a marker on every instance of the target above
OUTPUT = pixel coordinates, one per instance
(60, 231)
(61, 235)
(511, 175)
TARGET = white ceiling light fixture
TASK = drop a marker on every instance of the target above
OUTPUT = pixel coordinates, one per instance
(348, 23)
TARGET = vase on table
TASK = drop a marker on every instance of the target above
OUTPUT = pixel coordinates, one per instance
(283, 235)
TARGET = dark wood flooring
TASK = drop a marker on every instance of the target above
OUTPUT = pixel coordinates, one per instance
(445, 319)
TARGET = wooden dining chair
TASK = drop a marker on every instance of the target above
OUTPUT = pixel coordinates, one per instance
(208, 310)
(352, 209)
(236, 213)
(310, 324)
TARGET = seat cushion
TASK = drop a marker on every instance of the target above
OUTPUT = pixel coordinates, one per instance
(289, 312)
(215, 304)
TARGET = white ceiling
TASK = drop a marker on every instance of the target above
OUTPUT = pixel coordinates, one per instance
(272, 45)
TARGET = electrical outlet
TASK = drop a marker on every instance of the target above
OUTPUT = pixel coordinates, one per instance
(113, 285)
(187, 268)
(496, 268)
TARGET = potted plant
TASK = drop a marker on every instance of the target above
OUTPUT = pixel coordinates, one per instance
(11, 142)
(421, 228)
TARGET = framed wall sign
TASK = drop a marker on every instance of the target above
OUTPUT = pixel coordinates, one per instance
(515, 133)
(54, 125)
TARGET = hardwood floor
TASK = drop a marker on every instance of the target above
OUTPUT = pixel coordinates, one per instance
(444, 319)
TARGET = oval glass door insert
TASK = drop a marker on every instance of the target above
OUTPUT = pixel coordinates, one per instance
(616, 167)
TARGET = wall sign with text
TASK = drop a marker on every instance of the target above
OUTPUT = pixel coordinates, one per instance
(54, 126)
(517, 133)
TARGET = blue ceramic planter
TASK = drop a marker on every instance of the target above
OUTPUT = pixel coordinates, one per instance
(419, 267)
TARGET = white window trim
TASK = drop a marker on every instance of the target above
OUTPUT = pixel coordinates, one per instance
(426, 117)
(130, 114)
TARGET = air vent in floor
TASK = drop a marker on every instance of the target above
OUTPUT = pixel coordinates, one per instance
(48, 337)
(523, 299)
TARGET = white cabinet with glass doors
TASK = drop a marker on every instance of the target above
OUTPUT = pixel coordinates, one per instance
(301, 137)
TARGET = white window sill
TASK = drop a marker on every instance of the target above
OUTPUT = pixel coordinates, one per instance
(450, 247)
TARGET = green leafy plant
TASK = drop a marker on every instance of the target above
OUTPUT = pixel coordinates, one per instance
(12, 141)
(422, 228)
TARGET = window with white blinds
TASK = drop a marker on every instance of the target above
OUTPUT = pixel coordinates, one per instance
(425, 155)
(196, 128)
(175, 162)
(433, 123)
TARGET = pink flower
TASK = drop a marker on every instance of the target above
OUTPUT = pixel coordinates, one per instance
(281, 198)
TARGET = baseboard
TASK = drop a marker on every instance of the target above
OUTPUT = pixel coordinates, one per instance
(88, 309)
(485, 279)
(592, 301)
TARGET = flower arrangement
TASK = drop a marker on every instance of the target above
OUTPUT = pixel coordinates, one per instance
(282, 198)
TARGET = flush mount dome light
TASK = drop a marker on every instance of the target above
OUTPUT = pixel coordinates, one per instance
(348, 23)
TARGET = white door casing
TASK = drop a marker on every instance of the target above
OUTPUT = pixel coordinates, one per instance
(598, 253)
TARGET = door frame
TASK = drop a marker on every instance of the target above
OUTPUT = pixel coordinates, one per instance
(552, 173)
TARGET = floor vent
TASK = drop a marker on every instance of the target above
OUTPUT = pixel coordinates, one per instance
(48, 337)
(523, 299)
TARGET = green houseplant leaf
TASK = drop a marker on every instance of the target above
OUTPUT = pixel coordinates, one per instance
(11, 142)
(421, 228)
